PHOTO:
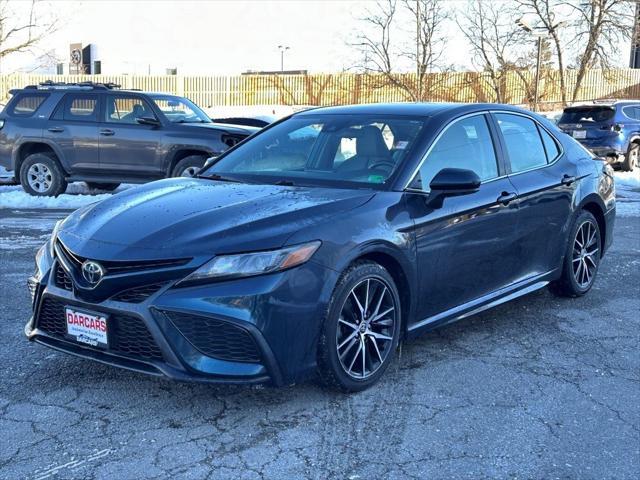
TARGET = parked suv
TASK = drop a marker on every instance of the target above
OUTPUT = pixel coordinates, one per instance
(52, 133)
(610, 130)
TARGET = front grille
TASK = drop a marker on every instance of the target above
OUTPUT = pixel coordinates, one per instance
(120, 266)
(216, 338)
(137, 294)
(127, 335)
(63, 280)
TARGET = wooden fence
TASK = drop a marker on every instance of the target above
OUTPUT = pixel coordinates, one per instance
(346, 88)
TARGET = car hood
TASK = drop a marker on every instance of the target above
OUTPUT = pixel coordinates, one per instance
(180, 218)
(233, 129)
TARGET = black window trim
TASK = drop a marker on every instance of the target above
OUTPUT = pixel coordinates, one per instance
(540, 126)
(497, 148)
(20, 96)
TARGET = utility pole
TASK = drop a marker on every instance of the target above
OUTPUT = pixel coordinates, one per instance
(539, 33)
(538, 61)
(418, 79)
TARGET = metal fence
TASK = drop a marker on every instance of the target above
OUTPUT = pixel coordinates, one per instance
(346, 88)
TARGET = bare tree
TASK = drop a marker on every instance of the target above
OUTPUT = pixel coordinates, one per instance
(385, 48)
(593, 30)
(22, 33)
(497, 45)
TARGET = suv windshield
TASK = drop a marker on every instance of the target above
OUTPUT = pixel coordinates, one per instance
(587, 114)
(179, 109)
(335, 150)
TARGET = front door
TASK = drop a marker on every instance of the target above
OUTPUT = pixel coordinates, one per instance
(127, 148)
(465, 248)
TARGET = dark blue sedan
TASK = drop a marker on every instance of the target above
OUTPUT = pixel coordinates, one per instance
(322, 242)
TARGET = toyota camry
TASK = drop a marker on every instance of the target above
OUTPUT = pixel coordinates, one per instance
(319, 244)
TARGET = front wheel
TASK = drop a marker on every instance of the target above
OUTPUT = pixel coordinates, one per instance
(361, 330)
(631, 159)
(582, 258)
(188, 166)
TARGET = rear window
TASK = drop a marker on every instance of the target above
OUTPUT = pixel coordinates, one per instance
(587, 114)
(27, 105)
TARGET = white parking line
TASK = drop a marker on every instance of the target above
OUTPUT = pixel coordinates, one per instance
(73, 464)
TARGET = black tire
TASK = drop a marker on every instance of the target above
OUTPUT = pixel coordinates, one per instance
(570, 283)
(107, 187)
(188, 166)
(333, 372)
(42, 176)
(632, 158)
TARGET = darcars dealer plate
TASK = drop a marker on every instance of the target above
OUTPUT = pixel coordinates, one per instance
(89, 328)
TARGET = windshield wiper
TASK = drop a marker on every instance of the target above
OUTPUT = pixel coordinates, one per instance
(220, 178)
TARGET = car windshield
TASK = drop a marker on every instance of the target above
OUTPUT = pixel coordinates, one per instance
(587, 114)
(334, 150)
(179, 109)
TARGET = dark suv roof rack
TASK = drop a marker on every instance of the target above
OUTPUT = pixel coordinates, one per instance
(50, 85)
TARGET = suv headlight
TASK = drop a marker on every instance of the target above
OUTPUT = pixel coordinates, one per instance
(253, 263)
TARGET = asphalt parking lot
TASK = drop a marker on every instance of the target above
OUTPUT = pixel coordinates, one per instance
(539, 388)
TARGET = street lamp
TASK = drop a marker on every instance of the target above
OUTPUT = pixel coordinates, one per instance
(539, 33)
(282, 48)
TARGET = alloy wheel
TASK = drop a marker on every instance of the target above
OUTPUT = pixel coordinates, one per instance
(190, 172)
(586, 250)
(364, 337)
(39, 177)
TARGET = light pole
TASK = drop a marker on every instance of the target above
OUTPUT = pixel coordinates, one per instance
(282, 48)
(539, 33)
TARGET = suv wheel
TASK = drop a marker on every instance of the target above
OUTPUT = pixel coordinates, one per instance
(631, 158)
(108, 187)
(188, 166)
(42, 176)
(361, 330)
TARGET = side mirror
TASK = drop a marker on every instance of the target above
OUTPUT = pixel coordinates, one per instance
(148, 121)
(450, 182)
(208, 162)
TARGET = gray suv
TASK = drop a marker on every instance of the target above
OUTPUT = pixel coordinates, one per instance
(52, 133)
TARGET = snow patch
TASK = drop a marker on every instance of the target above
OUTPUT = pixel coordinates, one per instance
(628, 193)
(77, 195)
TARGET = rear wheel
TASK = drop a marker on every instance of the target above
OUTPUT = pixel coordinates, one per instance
(108, 187)
(631, 159)
(188, 166)
(42, 176)
(582, 258)
(362, 328)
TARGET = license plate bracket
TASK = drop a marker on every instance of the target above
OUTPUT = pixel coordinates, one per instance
(89, 328)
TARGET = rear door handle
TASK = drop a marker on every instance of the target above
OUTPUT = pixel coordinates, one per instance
(507, 197)
(106, 132)
(56, 129)
(567, 179)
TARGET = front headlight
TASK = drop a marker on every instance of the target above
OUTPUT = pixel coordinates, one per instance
(54, 235)
(254, 263)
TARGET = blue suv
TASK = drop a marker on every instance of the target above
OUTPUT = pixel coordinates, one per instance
(610, 130)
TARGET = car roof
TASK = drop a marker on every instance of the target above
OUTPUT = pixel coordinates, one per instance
(422, 109)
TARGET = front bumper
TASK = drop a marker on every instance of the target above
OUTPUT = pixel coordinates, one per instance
(254, 330)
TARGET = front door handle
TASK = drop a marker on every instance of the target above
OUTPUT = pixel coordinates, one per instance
(507, 197)
(56, 129)
(567, 179)
(107, 132)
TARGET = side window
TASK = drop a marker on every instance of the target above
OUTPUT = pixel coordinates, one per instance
(523, 142)
(550, 145)
(83, 108)
(121, 109)
(27, 105)
(465, 144)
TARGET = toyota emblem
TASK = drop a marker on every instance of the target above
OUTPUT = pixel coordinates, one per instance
(92, 272)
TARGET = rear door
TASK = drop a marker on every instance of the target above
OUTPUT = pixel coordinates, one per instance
(545, 182)
(73, 127)
(127, 148)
